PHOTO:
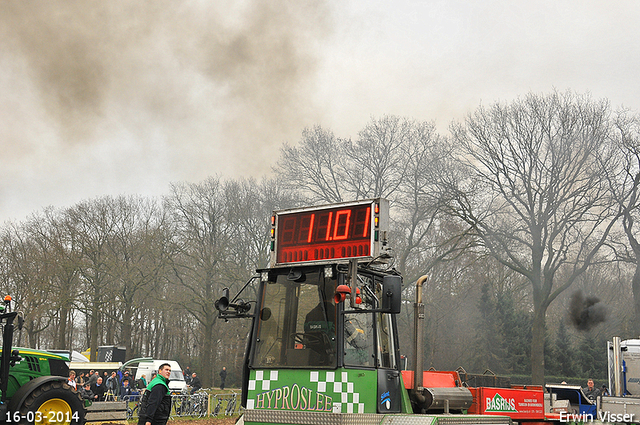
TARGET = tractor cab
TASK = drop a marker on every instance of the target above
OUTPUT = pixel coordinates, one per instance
(322, 349)
(300, 324)
(324, 336)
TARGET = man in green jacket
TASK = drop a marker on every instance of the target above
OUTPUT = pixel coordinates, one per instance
(155, 406)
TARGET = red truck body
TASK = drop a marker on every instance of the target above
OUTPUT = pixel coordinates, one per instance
(517, 403)
(520, 403)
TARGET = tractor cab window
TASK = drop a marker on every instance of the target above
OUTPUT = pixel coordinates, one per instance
(386, 341)
(297, 321)
(386, 357)
(368, 336)
(358, 339)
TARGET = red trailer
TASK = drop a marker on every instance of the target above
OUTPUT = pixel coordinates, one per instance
(519, 403)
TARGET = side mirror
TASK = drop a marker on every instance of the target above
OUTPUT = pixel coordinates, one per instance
(234, 308)
(222, 303)
(391, 294)
(15, 357)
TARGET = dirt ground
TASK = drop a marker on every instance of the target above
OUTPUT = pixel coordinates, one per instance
(210, 421)
(227, 420)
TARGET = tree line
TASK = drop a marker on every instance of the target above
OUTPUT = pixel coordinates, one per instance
(523, 218)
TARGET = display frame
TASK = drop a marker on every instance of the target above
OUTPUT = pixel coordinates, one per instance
(330, 233)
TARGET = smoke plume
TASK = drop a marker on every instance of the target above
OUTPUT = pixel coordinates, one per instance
(180, 81)
(586, 312)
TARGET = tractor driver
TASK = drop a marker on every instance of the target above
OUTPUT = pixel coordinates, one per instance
(320, 332)
(320, 328)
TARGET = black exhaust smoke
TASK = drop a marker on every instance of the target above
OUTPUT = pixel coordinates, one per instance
(586, 313)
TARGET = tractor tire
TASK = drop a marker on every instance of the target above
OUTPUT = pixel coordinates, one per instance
(54, 402)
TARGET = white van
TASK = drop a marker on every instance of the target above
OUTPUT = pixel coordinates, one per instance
(149, 367)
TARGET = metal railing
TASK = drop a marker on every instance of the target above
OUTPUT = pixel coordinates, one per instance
(202, 403)
(225, 404)
(192, 405)
(133, 405)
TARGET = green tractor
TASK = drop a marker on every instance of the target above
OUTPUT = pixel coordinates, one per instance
(33, 383)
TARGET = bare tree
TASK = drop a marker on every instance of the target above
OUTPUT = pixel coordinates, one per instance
(28, 280)
(536, 197)
(421, 235)
(201, 246)
(376, 162)
(137, 252)
(625, 185)
(248, 207)
(63, 255)
(316, 167)
(93, 223)
(329, 169)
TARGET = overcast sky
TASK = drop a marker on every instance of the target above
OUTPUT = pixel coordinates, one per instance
(120, 97)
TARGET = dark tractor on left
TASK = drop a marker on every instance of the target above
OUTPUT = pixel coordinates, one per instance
(34, 385)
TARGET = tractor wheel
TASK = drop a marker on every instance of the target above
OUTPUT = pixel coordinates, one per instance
(54, 402)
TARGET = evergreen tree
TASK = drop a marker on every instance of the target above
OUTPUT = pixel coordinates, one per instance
(550, 361)
(516, 328)
(592, 358)
(488, 346)
(564, 353)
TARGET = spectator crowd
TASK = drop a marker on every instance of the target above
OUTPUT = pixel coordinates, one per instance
(119, 385)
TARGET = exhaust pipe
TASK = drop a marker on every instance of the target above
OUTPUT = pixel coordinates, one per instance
(617, 367)
(418, 395)
(418, 328)
(424, 399)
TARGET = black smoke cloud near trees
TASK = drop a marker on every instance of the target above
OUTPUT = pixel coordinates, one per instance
(586, 312)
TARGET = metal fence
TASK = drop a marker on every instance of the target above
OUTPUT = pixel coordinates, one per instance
(203, 403)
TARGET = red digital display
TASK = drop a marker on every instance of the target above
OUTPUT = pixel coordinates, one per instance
(324, 234)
